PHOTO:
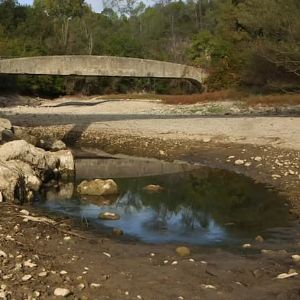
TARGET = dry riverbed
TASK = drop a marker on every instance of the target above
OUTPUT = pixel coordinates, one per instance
(41, 255)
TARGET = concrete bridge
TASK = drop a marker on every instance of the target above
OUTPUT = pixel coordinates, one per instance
(86, 65)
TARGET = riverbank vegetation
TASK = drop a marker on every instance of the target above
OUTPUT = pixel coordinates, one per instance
(251, 45)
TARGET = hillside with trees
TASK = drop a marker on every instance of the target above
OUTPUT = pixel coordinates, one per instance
(244, 44)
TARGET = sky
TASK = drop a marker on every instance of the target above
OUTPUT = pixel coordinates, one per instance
(96, 4)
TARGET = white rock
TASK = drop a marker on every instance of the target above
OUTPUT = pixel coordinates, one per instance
(3, 254)
(24, 212)
(43, 274)
(95, 285)
(286, 275)
(61, 292)
(239, 162)
(258, 158)
(26, 277)
(296, 258)
(29, 264)
(63, 272)
(106, 254)
(247, 246)
(208, 286)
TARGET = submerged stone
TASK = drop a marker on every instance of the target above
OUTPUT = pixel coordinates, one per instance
(109, 216)
(152, 188)
(183, 251)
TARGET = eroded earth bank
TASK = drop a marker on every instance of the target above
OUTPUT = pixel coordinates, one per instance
(42, 252)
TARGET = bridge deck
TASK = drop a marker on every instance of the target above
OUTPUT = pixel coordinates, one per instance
(100, 66)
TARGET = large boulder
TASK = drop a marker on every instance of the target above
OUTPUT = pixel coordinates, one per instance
(11, 182)
(98, 187)
(18, 181)
(66, 164)
(39, 159)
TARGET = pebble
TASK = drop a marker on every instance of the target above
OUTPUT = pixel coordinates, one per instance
(208, 286)
(26, 277)
(3, 254)
(174, 263)
(286, 275)
(95, 285)
(259, 238)
(207, 140)
(258, 158)
(118, 232)
(24, 212)
(183, 251)
(109, 216)
(29, 264)
(43, 274)
(67, 238)
(81, 286)
(106, 254)
(152, 254)
(247, 246)
(63, 272)
(296, 258)
(61, 292)
(239, 162)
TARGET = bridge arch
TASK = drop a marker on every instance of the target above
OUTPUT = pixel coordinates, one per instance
(111, 66)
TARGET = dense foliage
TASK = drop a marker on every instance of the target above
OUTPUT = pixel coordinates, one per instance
(241, 42)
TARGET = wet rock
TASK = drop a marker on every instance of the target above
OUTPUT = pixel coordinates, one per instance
(183, 251)
(66, 164)
(118, 232)
(152, 188)
(98, 187)
(61, 292)
(109, 216)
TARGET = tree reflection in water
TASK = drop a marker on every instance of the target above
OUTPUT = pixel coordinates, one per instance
(194, 207)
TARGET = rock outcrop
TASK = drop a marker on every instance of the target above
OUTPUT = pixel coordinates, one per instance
(24, 167)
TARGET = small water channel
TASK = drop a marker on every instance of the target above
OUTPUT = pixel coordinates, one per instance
(200, 206)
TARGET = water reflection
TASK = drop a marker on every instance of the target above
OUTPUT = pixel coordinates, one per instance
(195, 207)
